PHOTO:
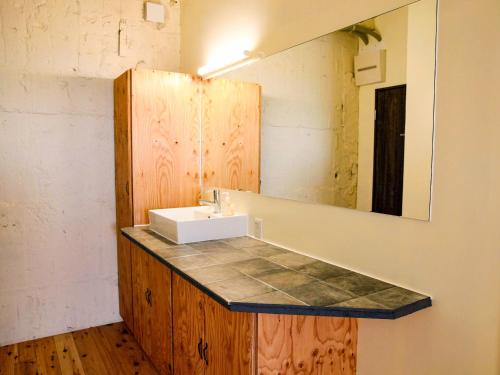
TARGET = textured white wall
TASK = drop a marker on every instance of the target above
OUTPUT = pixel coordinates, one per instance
(57, 210)
(456, 256)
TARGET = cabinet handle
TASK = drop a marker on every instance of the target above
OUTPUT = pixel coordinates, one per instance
(200, 343)
(148, 295)
(205, 353)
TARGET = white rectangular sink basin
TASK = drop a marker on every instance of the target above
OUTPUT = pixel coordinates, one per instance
(194, 224)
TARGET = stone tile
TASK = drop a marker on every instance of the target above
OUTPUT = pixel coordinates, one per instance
(322, 270)
(266, 251)
(292, 260)
(318, 294)
(243, 242)
(239, 288)
(358, 284)
(154, 244)
(212, 274)
(255, 267)
(360, 303)
(176, 251)
(231, 256)
(211, 246)
(274, 298)
(149, 234)
(192, 261)
(271, 275)
(284, 279)
(395, 297)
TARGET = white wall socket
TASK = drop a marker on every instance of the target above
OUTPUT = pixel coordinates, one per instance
(257, 227)
(154, 12)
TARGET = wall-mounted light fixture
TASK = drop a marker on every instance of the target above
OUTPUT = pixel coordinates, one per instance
(211, 71)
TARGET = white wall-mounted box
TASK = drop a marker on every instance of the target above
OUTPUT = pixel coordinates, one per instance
(154, 12)
(369, 67)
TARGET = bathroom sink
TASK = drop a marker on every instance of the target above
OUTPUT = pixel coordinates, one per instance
(194, 224)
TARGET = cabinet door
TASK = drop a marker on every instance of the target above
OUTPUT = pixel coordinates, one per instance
(153, 309)
(139, 289)
(230, 337)
(125, 281)
(165, 141)
(160, 322)
(188, 306)
(231, 134)
(294, 344)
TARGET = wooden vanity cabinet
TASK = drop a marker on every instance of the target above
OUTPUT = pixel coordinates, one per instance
(209, 339)
(157, 141)
(152, 306)
(158, 121)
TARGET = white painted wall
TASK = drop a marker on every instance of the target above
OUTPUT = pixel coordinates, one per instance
(57, 210)
(456, 256)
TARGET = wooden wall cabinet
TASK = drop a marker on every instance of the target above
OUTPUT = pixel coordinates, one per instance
(231, 112)
(159, 121)
(157, 150)
(208, 338)
(152, 306)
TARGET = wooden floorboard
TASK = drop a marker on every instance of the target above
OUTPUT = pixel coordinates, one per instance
(104, 350)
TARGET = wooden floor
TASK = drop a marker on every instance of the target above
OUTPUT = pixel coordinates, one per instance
(108, 349)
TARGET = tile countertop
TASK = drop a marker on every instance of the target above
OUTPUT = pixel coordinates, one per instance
(245, 274)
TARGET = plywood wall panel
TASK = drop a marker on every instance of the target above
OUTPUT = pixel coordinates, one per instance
(292, 344)
(165, 141)
(231, 113)
(231, 340)
(188, 304)
(123, 186)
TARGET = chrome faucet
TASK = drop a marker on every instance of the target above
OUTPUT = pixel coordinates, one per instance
(216, 203)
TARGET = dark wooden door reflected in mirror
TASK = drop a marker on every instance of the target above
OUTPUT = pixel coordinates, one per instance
(388, 159)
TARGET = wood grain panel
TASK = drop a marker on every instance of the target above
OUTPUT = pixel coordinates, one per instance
(123, 187)
(231, 113)
(230, 337)
(140, 270)
(292, 344)
(123, 150)
(125, 280)
(153, 315)
(189, 326)
(165, 141)
(160, 317)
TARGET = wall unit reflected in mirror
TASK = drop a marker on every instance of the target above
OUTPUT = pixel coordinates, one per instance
(347, 118)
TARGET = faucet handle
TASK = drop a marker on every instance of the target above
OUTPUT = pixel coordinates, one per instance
(216, 195)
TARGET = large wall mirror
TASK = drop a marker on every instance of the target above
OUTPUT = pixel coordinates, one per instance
(347, 118)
